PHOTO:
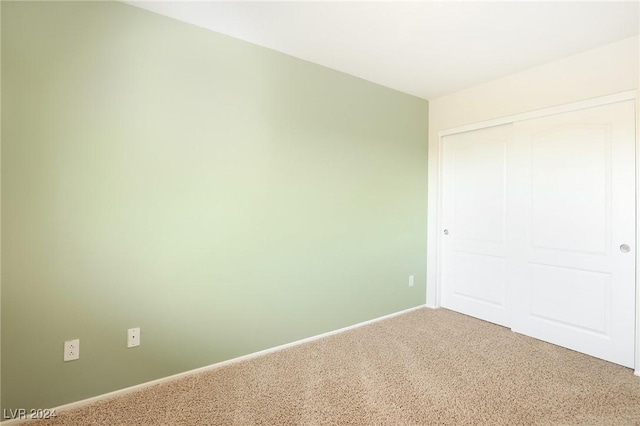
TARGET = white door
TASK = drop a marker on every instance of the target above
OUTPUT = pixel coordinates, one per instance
(539, 217)
(474, 249)
(572, 203)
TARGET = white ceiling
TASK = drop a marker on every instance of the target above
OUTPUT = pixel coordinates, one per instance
(427, 49)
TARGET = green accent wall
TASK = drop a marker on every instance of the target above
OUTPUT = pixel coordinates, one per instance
(224, 197)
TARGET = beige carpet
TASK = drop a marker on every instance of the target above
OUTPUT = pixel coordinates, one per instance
(424, 367)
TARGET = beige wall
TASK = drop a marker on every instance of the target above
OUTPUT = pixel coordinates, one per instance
(606, 70)
(602, 71)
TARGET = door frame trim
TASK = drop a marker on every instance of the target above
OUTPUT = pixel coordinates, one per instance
(558, 109)
(434, 239)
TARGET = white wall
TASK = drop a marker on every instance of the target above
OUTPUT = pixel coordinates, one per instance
(606, 70)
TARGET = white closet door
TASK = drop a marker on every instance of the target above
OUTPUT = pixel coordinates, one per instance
(473, 244)
(572, 205)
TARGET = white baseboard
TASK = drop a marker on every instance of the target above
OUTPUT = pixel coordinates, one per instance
(124, 391)
(637, 373)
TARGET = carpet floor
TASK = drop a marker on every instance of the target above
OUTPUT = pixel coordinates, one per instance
(423, 367)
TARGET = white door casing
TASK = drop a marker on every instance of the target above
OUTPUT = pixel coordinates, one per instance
(536, 219)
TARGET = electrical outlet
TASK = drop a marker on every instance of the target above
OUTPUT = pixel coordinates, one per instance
(410, 280)
(133, 337)
(72, 350)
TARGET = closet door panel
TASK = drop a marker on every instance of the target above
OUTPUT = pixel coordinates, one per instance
(474, 247)
(573, 212)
